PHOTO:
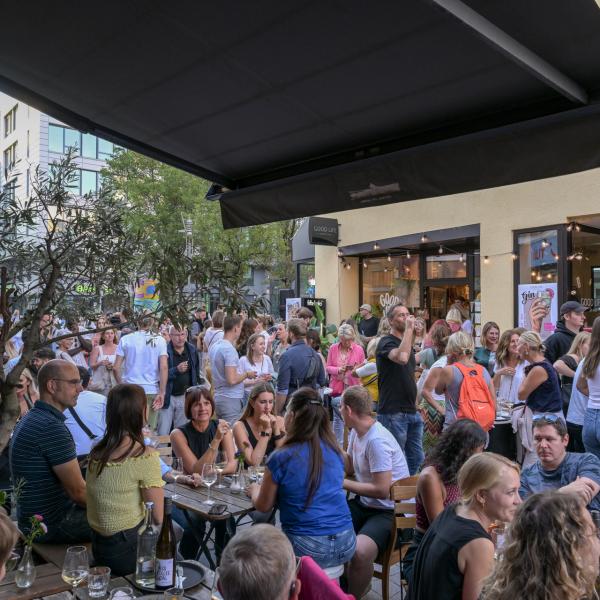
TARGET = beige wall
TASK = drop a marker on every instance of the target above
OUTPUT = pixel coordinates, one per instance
(499, 211)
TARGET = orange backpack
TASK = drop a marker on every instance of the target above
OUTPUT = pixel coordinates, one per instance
(475, 401)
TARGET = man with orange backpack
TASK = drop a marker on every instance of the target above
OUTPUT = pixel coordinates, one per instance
(468, 386)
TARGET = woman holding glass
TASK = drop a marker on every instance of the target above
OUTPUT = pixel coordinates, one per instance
(123, 473)
(510, 369)
(102, 360)
(256, 360)
(198, 444)
(342, 359)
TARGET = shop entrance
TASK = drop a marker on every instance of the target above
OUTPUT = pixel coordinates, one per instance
(440, 297)
(585, 269)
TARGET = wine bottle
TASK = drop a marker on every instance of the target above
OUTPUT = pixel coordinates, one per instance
(165, 552)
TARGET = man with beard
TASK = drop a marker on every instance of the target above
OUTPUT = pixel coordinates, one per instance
(396, 364)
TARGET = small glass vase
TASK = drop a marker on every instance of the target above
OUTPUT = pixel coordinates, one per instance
(25, 573)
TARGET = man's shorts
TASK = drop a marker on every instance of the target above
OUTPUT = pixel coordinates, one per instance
(375, 523)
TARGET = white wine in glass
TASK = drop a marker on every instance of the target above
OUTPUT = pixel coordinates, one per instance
(220, 465)
(209, 476)
(76, 566)
(260, 469)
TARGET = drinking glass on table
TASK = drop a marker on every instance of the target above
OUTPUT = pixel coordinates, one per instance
(175, 593)
(98, 580)
(177, 466)
(260, 469)
(220, 465)
(122, 593)
(209, 476)
(76, 566)
(12, 561)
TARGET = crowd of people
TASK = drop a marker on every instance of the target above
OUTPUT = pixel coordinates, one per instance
(336, 427)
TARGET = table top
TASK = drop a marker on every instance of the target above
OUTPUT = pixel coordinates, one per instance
(45, 587)
(190, 498)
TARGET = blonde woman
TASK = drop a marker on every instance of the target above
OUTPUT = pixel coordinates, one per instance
(102, 360)
(485, 355)
(420, 334)
(567, 364)
(454, 319)
(27, 392)
(256, 361)
(457, 553)
(460, 357)
(533, 566)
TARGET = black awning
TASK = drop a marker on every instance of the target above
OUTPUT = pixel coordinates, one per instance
(277, 98)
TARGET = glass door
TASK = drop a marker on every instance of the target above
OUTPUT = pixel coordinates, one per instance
(584, 261)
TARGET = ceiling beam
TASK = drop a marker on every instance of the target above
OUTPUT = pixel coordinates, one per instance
(514, 50)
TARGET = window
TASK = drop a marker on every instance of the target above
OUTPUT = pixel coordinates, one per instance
(537, 253)
(72, 140)
(105, 149)
(10, 190)
(10, 157)
(88, 145)
(386, 282)
(89, 182)
(10, 120)
(56, 138)
(446, 266)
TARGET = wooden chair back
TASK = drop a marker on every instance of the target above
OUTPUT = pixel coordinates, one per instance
(163, 448)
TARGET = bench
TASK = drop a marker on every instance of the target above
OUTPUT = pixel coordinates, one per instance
(55, 553)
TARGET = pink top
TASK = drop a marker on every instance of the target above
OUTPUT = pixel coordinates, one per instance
(339, 382)
(315, 585)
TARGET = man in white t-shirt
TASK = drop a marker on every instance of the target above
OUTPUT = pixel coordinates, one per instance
(91, 411)
(376, 460)
(227, 381)
(142, 359)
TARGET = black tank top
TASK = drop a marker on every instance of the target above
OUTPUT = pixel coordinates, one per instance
(436, 574)
(198, 441)
(253, 441)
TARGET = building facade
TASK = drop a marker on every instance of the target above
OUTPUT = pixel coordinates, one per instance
(498, 248)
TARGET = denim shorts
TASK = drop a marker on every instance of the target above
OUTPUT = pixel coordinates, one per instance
(326, 550)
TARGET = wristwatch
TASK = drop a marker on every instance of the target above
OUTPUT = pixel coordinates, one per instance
(265, 434)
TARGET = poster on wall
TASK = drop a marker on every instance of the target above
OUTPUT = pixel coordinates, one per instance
(538, 300)
(292, 306)
(146, 295)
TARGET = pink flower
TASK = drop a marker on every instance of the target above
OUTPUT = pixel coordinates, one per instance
(38, 517)
(44, 528)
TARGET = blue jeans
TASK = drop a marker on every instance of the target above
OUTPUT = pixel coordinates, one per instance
(407, 428)
(326, 550)
(591, 431)
(338, 423)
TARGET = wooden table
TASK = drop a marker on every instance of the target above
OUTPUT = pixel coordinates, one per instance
(191, 500)
(8, 591)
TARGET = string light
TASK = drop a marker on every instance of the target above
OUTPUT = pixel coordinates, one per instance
(389, 258)
(461, 258)
(347, 266)
(533, 273)
(407, 254)
(486, 260)
(514, 256)
(365, 264)
(545, 244)
(424, 238)
(340, 252)
(375, 246)
(549, 276)
(440, 250)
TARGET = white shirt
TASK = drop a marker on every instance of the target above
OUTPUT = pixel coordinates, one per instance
(140, 351)
(374, 452)
(91, 409)
(265, 367)
(594, 387)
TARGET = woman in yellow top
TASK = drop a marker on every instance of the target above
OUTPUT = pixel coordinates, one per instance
(122, 474)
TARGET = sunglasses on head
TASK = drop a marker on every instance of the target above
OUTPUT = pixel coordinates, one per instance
(549, 418)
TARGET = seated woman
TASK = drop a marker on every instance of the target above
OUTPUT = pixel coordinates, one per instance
(532, 567)
(123, 473)
(457, 553)
(437, 486)
(259, 431)
(304, 478)
(197, 443)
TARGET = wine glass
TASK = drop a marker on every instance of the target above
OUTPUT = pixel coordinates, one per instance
(177, 466)
(76, 566)
(220, 465)
(209, 476)
(260, 469)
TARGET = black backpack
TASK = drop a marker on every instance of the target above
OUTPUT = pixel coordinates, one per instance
(312, 373)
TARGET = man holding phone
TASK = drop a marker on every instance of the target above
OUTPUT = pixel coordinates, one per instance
(184, 371)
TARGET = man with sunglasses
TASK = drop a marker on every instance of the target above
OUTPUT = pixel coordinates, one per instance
(557, 469)
(43, 456)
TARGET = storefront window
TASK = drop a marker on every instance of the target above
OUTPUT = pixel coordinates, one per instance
(446, 266)
(585, 271)
(538, 256)
(386, 282)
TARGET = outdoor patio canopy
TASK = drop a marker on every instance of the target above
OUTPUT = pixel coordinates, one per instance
(298, 108)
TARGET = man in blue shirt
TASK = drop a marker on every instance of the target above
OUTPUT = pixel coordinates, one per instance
(300, 365)
(42, 456)
(557, 469)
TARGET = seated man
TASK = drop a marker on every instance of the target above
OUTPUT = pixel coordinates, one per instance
(376, 460)
(557, 469)
(87, 422)
(43, 457)
(259, 564)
